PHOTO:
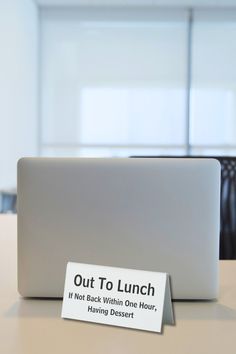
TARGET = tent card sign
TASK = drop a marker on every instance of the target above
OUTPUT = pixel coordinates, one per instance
(116, 296)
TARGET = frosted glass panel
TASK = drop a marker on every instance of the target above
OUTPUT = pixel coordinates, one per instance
(213, 116)
(213, 97)
(132, 116)
(110, 152)
(120, 82)
(213, 152)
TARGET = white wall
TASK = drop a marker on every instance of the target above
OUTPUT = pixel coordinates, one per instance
(18, 85)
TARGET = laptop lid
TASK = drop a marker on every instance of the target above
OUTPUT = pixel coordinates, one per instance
(149, 214)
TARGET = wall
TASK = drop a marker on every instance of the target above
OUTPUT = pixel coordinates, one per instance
(18, 85)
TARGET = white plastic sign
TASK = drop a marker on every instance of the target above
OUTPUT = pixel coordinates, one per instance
(117, 296)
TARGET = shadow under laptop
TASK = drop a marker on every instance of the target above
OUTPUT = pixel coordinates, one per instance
(35, 307)
(203, 310)
(183, 310)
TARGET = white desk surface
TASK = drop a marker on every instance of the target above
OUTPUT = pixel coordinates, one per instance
(35, 326)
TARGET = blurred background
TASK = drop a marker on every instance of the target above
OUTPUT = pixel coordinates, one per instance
(99, 78)
(116, 78)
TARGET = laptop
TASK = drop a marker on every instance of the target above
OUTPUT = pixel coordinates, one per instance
(150, 214)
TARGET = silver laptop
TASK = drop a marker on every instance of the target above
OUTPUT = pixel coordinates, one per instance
(149, 214)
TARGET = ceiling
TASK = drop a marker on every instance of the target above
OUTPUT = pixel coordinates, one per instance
(166, 3)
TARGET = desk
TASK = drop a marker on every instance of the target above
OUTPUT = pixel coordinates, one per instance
(35, 326)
